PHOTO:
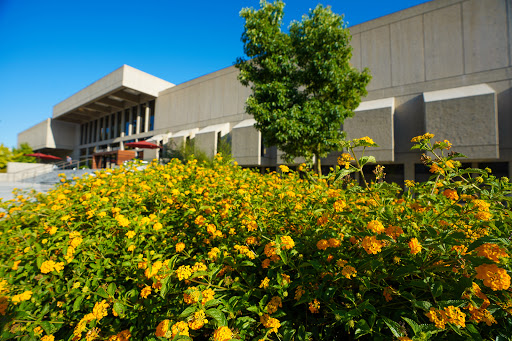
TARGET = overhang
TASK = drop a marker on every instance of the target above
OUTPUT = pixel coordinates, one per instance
(120, 89)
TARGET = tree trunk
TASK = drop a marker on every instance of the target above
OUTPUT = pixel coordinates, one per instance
(318, 166)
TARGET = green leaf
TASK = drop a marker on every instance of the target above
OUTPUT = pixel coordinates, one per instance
(111, 290)
(393, 326)
(78, 303)
(425, 305)
(187, 312)
(119, 308)
(362, 328)
(218, 316)
(437, 289)
(414, 326)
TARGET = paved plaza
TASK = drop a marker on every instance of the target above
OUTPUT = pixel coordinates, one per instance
(6, 188)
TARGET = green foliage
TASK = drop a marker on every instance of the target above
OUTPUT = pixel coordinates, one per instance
(303, 86)
(216, 252)
(15, 155)
(185, 152)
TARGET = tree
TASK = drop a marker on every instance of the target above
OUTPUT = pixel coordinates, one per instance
(15, 155)
(303, 86)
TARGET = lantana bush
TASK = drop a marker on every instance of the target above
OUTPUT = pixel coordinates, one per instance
(194, 251)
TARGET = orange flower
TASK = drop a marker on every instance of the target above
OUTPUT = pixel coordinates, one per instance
(415, 246)
(372, 245)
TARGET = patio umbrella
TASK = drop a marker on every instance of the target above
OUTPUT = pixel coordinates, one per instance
(44, 156)
(142, 144)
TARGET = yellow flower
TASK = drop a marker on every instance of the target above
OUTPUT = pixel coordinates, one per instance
(184, 272)
(372, 245)
(287, 242)
(222, 334)
(415, 246)
(145, 292)
(100, 310)
(270, 322)
(48, 338)
(493, 277)
(180, 247)
(157, 226)
(25, 296)
(264, 283)
(349, 271)
(197, 320)
(274, 304)
(162, 330)
(434, 168)
(451, 194)
(15, 265)
(375, 226)
(76, 285)
(284, 168)
(322, 244)
(131, 248)
(130, 234)
(314, 306)
(492, 252)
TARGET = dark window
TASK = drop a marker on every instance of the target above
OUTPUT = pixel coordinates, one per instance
(142, 114)
(127, 122)
(499, 169)
(118, 131)
(151, 115)
(134, 119)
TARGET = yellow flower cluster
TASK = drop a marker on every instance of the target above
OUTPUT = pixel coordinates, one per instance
(50, 265)
(197, 320)
(287, 242)
(493, 277)
(426, 136)
(222, 334)
(184, 272)
(371, 245)
(274, 304)
(450, 314)
(415, 246)
(344, 160)
(451, 194)
(491, 251)
(314, 306)
(348, 271)
(25, 296)
(270, 322)
(180, 247)
(244, 250)
(375, 226)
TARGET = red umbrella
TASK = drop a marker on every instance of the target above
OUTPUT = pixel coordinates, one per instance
(142, 144)
(44, 156)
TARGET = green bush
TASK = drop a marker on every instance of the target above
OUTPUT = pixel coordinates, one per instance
(191, 251)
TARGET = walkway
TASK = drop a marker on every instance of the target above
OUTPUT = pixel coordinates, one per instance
(6, 188)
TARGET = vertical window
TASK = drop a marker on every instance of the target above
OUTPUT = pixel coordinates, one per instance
(151, 115)
(95, 131)
(134, 120)
(112, 126)
(102, 131)
(118, 130)
(142, 114)
(127, 122)
(89, 140)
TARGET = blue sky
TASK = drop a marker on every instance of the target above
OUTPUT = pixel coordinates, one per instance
(51, 49)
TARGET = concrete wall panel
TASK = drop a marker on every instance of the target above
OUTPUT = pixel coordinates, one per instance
(246, 144)
(485, 35)
(374, 119)
(407, 55)
(467, 117)
(443, 43)
(375, 51)
(356, 51)
(64, 134)
(36, 136)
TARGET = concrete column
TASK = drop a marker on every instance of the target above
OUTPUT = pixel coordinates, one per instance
(146, 120)
(138, 113)
(130, 123)
(122, 133)
(409, 171)
(114, 131)
(97, 129)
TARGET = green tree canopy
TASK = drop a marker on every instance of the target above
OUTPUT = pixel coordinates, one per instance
(15, 155)
(303, 86)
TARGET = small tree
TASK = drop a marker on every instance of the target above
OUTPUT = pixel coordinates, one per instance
(303, 86)
(15, 155)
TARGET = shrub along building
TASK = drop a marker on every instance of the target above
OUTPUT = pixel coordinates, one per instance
(443, 67)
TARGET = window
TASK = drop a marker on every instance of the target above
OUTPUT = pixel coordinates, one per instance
(142, 114)
(119, 126)
(127, 122)
(151, 115)
(134, 120)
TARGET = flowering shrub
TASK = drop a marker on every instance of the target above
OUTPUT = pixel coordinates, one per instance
(188, 251)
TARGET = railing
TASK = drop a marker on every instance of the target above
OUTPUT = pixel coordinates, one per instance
(40, 169)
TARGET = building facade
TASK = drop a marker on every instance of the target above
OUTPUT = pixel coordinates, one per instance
(443, 67)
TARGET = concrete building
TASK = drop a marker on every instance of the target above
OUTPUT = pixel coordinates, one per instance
(443, 67)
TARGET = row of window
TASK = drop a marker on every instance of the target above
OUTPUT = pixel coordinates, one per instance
(135, 120)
